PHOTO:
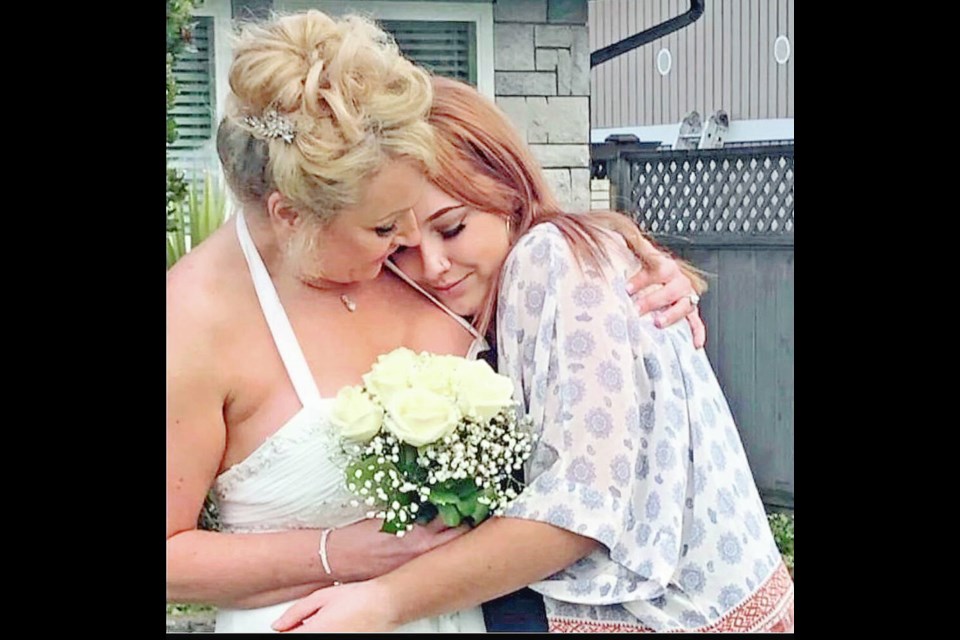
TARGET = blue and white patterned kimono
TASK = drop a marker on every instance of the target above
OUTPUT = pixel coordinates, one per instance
(636, 448)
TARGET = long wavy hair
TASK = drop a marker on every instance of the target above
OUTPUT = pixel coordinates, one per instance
(482, 161)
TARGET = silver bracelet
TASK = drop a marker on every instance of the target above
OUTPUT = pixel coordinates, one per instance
(323, 554)
(323, 551)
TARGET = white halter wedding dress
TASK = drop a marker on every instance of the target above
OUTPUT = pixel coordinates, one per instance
(295, 479)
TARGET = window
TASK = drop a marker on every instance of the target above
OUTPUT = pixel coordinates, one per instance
(445, 48)
(450, 38)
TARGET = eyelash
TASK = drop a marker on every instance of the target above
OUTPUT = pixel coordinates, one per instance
(454, 232)
(384, 232)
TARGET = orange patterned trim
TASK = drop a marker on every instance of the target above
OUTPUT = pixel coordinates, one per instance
(573, 625)
(769, 609)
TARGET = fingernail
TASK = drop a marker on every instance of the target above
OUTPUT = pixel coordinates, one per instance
(658, 320)
(630, 288)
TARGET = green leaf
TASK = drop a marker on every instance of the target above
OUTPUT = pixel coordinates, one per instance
(468, 506)
(450, 514)
(465, 488)
(172, 253)
(426, 513)
(392, 527)
(458, 495)
(482, 510)
(480, 513)
(192, 207)
(368, 468)
(439, 495)
(205, 220)
(176, 242)
(408, 464)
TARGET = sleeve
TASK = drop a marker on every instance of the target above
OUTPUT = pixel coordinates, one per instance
(608, 461)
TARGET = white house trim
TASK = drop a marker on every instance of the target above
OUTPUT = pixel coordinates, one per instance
(479, 13)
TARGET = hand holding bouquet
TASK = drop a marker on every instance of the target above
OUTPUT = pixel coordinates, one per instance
(431, 434)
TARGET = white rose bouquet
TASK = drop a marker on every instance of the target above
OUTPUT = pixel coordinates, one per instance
(429, 434)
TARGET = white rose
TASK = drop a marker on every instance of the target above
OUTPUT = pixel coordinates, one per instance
(437, 374)
(482, 392)
(421, 416)
(356, 415)
(391, 373)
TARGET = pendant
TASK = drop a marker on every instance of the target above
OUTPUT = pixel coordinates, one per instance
(348, 303)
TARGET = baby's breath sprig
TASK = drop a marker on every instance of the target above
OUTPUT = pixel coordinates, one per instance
(468, 474)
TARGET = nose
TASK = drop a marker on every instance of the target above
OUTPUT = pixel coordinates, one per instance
(408, 231)
(434, 260)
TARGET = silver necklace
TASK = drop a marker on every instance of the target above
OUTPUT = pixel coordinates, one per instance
(348, 303)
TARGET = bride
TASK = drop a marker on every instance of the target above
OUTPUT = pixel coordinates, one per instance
(324, 144)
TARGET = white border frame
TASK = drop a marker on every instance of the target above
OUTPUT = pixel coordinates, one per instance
(479, 13)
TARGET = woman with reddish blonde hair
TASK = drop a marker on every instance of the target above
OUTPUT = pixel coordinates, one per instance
(483, 163)
(641, 512)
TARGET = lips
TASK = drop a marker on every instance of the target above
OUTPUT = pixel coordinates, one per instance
(449, 289)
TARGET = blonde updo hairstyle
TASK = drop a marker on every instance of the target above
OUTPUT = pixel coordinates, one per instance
(354, 102)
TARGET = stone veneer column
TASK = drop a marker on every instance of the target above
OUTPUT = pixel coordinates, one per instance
(542, 82)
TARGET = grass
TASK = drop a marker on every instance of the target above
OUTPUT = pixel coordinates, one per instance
(176, 609)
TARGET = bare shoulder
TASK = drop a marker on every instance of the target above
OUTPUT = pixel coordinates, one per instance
(203, 293)
(197, 275)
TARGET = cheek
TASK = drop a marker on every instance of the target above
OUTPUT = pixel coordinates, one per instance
(494, 255)
(365, 249)
(409, 263)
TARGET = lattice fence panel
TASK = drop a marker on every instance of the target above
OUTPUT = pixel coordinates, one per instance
(712, 194)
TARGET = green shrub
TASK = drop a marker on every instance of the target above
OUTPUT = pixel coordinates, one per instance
(781, 524)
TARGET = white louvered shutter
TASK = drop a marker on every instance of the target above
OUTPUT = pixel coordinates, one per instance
(446, 48)
(195, 107)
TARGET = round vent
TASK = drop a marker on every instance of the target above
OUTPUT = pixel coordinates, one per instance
(781, 49)
(664, 61)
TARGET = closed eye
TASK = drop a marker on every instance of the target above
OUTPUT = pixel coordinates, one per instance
(385, 232)
(453, 232)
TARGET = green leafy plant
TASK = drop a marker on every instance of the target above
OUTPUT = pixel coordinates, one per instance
(197, 218)
(781, 524)
(176, 196)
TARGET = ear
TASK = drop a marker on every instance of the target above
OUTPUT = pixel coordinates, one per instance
(280, 213)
